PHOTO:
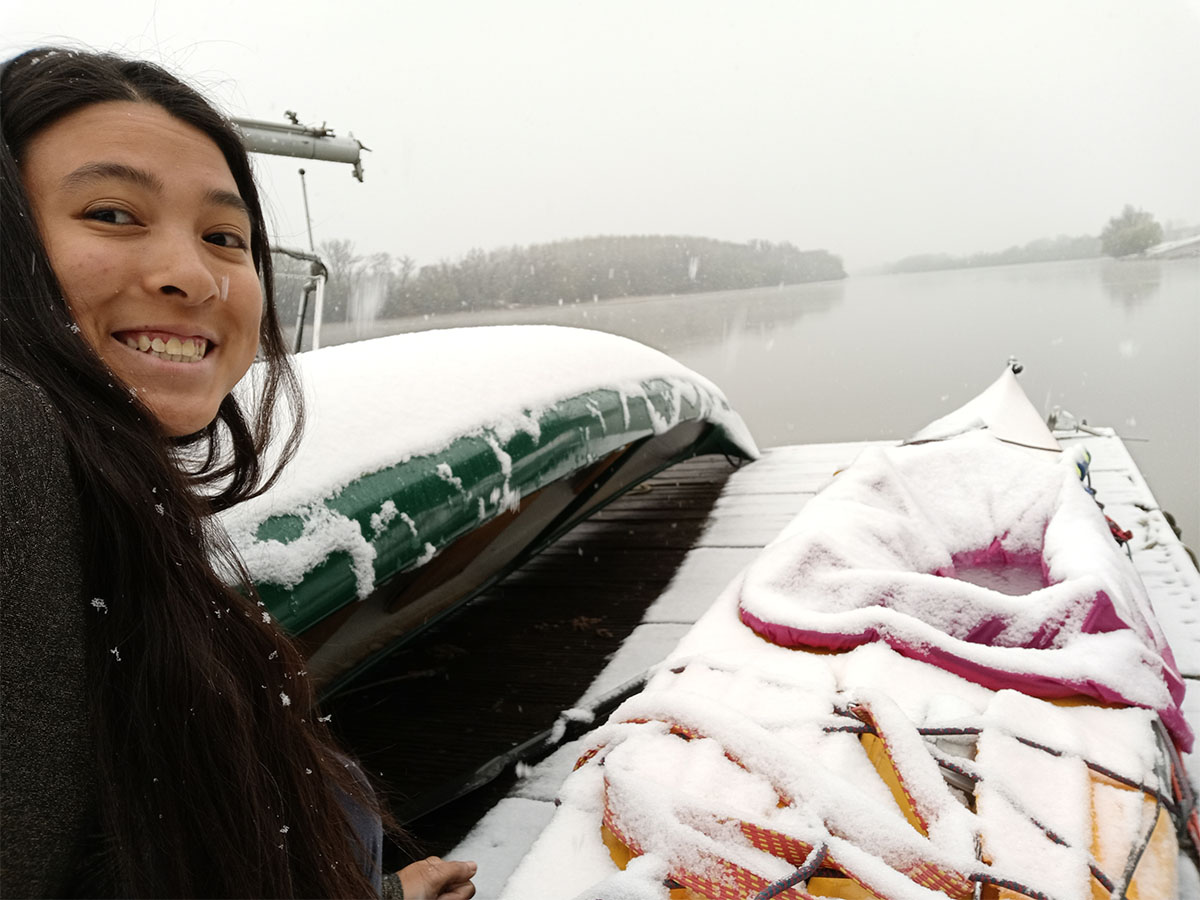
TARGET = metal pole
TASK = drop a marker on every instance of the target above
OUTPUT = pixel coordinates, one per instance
(310, 288)
(316, 343)
(318, 314)
(307, 217)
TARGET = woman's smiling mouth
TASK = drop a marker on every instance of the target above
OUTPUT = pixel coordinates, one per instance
(168, 347)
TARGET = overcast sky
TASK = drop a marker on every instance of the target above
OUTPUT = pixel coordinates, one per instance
(872, 129)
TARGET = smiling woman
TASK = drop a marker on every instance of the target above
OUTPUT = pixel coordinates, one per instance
(150, 240)
(160, 734)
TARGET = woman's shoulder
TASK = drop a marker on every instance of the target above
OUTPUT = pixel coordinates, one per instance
(24, 403)
(32, 444)
(46, 765)
(15, 385)
(36, 486)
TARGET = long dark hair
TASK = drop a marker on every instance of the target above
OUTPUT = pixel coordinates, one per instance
(214, 776)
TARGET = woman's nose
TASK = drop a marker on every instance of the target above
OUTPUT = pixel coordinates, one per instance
(179, 269)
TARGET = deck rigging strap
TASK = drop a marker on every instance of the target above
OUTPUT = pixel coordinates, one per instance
(801, 875)
(798, 852)
(736, 883)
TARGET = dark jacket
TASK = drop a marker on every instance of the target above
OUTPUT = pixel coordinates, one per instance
(49, 828)
(47, 782)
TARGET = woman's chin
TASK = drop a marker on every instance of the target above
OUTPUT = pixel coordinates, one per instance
(179, 420)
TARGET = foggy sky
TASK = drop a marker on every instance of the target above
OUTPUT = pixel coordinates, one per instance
(872, 129)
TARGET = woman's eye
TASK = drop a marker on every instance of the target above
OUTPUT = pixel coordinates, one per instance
(227, 239)
(110, 215)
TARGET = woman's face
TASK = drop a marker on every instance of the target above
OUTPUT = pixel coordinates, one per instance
(150, 240)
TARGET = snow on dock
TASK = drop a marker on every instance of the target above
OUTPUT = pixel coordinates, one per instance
(1185, 247)
(1159, 557)
(755, 504)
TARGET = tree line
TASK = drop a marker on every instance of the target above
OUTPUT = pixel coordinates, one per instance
(1132, 232)
(569, 271)
(1042, 250)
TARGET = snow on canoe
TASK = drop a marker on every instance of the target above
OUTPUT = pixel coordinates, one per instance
(943, 678)
(435, 461)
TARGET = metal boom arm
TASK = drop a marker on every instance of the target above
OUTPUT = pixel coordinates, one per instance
(301, 141)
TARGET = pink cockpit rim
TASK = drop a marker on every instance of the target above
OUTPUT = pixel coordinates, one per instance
(1035, 685)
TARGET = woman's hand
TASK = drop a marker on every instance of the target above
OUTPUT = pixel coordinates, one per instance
(437, 879)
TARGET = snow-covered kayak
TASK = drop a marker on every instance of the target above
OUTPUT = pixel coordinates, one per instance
(944, 678)
(434, 461)
(978, 559)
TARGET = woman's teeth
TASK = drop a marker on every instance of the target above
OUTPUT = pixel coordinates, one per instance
(188, 350)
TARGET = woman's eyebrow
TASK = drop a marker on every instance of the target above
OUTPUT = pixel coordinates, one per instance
(95, 171)
(228, 198)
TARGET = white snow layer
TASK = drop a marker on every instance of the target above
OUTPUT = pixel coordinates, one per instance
(883, 550)
(757, 715)
(377, 403)
(732, 730)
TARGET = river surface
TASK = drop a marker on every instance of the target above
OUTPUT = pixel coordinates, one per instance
(876, 357)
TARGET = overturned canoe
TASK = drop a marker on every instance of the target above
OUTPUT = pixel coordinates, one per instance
(433, 462)
(942, 679)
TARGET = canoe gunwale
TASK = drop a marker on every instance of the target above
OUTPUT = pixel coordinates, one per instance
(401, 608)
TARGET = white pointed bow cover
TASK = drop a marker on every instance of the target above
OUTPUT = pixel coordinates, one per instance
(1003, 410)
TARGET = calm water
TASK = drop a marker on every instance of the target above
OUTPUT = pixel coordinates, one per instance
(874, 357)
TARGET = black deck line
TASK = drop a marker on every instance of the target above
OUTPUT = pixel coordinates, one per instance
(500, 670)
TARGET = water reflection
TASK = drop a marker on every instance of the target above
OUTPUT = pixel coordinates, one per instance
(674, 324)
(1131, 282)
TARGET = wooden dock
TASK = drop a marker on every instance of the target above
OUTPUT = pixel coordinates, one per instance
(609, 601)
(474, 689)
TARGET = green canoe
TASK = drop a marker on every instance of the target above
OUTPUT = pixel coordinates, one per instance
(435, 462)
